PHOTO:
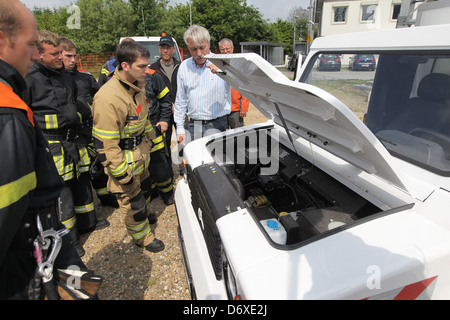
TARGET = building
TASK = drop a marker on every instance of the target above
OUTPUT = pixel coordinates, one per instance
(348, 16)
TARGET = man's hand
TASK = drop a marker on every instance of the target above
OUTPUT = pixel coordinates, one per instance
(163, 126)
(213, 68)
(181, 138)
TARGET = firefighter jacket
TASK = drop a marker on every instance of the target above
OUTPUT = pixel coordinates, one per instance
(122, 132)
(87, 87)
(29, 184)
(51, 94)
(107, 69)
(170, 83)
(159, 97)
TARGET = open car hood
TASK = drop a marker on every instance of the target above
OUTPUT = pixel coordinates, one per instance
(309, 112)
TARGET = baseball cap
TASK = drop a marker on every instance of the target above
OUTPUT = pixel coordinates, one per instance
(165, 39)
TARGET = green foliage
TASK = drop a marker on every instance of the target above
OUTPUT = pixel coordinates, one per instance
(103, 22)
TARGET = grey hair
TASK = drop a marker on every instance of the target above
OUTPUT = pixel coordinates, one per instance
(197, 34)
(226, 40)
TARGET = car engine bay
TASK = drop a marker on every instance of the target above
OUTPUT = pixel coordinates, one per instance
(304, 200)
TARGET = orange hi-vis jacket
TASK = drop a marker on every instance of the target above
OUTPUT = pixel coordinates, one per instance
(236, 103)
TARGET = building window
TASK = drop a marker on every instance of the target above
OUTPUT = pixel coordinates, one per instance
(340, 14)
(395, 11)
(368, 13)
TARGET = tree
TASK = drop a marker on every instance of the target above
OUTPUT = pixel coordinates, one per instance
(148, 16)
(232, 19)
(102, 23)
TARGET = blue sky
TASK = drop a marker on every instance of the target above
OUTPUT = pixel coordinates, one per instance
(271, 9)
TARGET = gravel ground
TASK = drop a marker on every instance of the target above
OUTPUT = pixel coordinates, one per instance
(130, 272)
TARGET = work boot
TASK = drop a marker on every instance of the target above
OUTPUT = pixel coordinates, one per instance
(155, 246)
(168, 201)
(152, 218)
(101, 224)
(79, 248)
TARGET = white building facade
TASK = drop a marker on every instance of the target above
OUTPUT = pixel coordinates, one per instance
(348, 16)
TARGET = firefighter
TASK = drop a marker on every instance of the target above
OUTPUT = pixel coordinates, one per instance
(160, 113)
(87, 87)
(30, 184)
(123, 136)
(51, 94)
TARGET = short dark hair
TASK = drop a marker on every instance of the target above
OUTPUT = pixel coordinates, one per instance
(129, 52)
(47, 37)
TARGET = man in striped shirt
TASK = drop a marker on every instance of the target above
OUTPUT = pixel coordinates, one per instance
(201, 95)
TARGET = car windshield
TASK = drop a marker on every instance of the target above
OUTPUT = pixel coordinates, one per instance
(403, 98)
(152, 46)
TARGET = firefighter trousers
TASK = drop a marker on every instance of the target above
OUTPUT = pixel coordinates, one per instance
(77, 209)
(160, 171)
(134, 200)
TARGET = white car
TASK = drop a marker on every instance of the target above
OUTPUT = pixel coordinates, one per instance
(343, 194)
(152, 44)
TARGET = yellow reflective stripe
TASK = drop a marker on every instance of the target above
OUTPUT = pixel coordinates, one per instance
(80, 116)
(163, 93)
(145, 227)
(105, 134)
(129, 130)
(148, 128)
(119, 170)
(129, 156)
(69, 223)
(16, 190)
(85, 160)
(105, 71)
(84, 208)
(158, 143)
(51, 121)
(158, 139)
(160, 184)
(102, 191)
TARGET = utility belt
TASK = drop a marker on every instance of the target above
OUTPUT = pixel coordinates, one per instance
(28, 231)
(206, 121)
(131, 143)
(60, 134)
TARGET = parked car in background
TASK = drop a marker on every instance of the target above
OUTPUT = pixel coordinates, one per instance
(362, 62)
(329, 62)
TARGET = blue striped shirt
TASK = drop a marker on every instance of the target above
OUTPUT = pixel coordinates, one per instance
(201, 94)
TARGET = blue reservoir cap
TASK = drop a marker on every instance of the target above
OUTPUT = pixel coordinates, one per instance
(272, 224)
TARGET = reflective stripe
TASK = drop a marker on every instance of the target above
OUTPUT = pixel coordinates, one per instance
(139, 231)
(163, 93)
(129, 130)
(69, 223)
(65, 171)
(148, 128)
(119, 170)
(16, 190)
(102, 191)
(158, 143)
(51, 121)
(85, 208)
(167, 183)
(105, 134)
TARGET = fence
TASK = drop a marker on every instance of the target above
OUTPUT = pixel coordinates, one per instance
(92, 62)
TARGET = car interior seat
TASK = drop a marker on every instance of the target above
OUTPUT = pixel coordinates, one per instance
(430, 110)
